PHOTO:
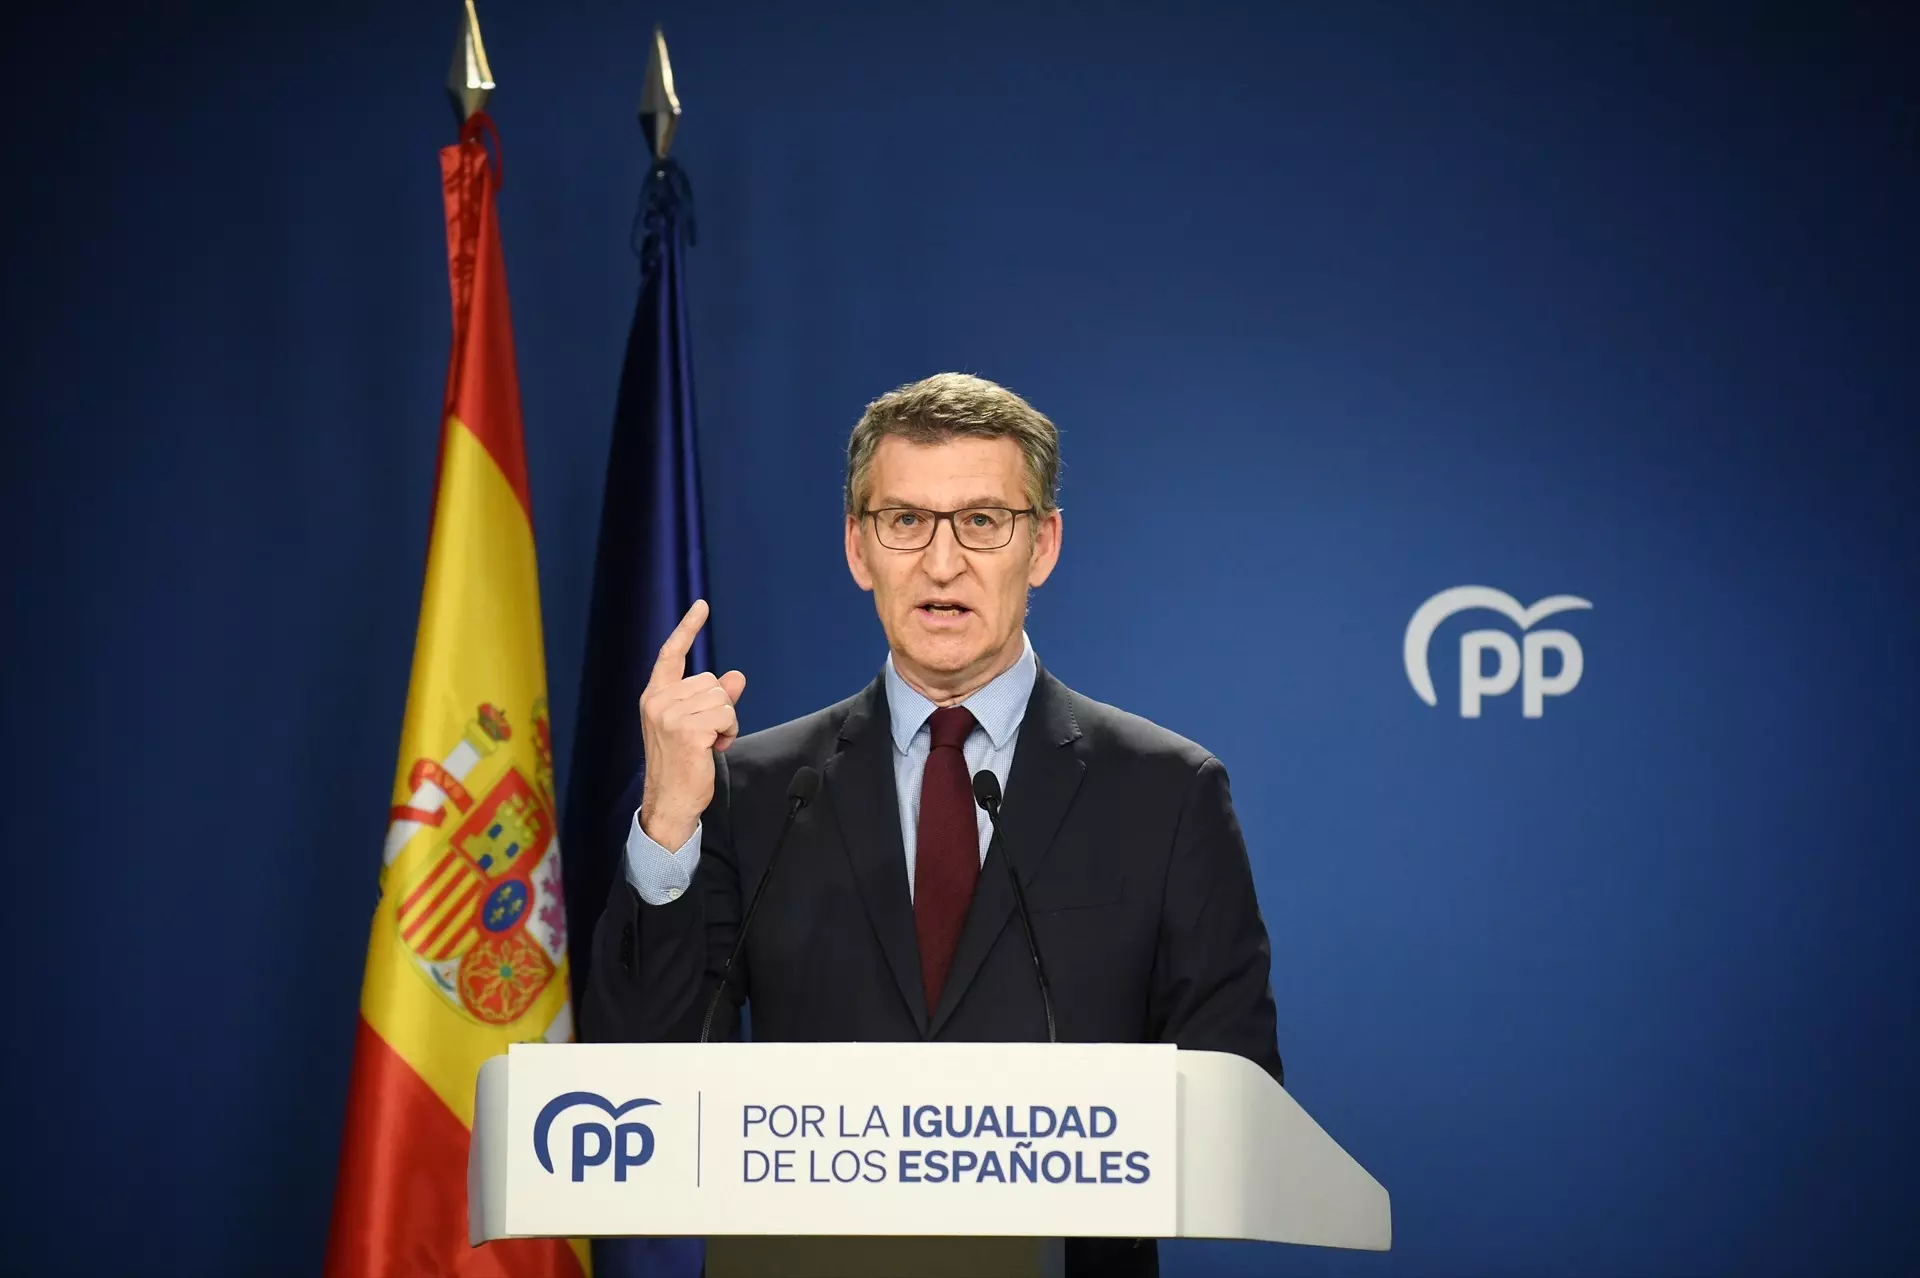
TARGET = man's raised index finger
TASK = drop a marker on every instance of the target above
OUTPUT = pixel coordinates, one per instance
(672, 664)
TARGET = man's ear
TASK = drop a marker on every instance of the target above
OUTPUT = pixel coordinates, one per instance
(1047, 531)
(857, 555)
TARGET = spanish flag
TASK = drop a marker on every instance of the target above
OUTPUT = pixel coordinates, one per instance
(469, 946)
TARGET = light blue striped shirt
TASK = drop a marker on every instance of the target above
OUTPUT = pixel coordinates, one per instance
(660, 876)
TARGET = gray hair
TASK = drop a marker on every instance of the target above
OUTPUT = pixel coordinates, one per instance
(951, 406)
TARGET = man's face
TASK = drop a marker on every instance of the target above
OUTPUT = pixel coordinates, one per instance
(953, 616)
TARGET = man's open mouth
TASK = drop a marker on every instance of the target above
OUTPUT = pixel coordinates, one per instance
(944, 608)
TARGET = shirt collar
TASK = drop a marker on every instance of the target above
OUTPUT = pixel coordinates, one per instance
(998, 707)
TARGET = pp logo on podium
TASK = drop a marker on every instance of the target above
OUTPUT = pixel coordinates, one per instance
(629, 1145)
(1524, 662)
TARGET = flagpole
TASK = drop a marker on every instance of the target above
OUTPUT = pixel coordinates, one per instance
(659, 104)
(470, 79)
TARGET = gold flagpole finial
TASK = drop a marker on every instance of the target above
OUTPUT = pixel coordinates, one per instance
(470, 82)
(659, 104)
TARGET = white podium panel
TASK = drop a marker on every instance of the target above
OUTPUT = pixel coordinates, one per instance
(905, 1139)
(821, 1138)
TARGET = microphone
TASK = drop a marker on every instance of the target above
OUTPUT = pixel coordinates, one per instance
(800, 792)
(986, 793)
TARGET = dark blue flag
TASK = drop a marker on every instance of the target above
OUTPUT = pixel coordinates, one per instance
(650, 567)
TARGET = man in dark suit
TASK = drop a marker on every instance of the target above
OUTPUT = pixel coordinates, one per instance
(888, 919)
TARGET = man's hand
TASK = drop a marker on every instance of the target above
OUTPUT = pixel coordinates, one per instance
(684, 722)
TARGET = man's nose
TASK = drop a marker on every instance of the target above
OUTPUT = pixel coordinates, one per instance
(944, 559)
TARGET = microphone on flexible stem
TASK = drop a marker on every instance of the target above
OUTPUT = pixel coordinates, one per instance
(800, 792)
(986, 793)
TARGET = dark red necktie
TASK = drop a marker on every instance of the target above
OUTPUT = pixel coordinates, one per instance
(946, 859)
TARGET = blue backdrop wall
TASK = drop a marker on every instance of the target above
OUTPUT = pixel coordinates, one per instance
(1338, 306)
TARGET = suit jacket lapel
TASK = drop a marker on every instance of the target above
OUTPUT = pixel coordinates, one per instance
(1046, 772)
(859, 782)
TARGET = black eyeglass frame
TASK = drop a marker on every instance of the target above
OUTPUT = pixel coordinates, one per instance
(947, 517)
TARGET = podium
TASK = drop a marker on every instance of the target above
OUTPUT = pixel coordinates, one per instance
(903, 1158)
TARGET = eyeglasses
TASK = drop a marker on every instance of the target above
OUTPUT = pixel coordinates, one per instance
(976, 528)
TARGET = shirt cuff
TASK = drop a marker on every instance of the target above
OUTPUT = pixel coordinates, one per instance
(660, 876)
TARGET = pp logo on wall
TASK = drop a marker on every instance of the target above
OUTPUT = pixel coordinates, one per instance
(1523, 661)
